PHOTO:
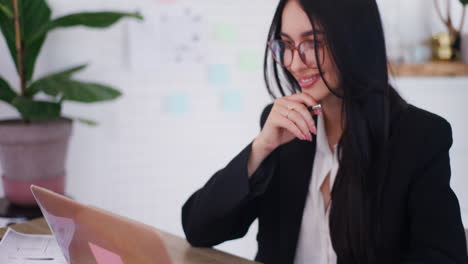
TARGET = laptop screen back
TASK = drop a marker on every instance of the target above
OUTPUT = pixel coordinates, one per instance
(90, 235)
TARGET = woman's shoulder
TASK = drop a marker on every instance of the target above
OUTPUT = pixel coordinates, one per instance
(422, 122)
(421, 129)
(425, 119)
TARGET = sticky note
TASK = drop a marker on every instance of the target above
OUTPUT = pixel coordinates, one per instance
(231, 101)
(104, 256)
(249, 60)
(219, 74)
(225, 32)
(177, 103)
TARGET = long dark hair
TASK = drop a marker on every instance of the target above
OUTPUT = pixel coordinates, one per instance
(355, 41)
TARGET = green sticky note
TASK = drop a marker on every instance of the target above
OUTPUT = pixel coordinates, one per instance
(249, 60)
(225, 32)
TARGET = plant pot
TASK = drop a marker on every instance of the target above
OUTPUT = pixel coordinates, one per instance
(33, 153)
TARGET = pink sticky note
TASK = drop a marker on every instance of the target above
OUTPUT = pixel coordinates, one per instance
(104, 256)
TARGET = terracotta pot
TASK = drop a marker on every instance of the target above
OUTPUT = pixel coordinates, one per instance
(33, 153)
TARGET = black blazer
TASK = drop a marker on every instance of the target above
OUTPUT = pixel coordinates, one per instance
(421, 214)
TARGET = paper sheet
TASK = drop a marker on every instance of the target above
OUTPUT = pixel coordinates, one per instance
(18, 248)
(6, 221)
(63, 229)
(169, 36)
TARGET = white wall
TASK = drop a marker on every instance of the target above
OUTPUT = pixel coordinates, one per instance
(146, 157)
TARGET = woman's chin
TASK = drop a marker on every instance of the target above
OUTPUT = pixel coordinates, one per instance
(313, 93)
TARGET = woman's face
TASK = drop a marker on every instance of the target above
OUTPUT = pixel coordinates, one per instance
(295, 28)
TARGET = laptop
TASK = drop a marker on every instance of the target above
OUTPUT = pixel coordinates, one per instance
(87, 234)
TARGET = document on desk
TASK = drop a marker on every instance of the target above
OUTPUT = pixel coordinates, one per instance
(6, 221)
(19, 248)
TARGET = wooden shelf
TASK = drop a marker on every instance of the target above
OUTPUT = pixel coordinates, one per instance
(429, 69)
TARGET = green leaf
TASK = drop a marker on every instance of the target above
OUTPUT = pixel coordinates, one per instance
(87, 92)
(36, 110)
(87, 19)
(87, 122)
(61, 84)
(50, 83)
(33, 16)
(6, 10)
(71, 90)
(92, 19)
(464, 2)
(7, 28)
(6, 93)
(69, 72)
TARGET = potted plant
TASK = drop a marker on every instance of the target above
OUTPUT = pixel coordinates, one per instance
(33, 148)
(447, 45)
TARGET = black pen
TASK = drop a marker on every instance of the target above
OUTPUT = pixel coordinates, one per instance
(39, 258)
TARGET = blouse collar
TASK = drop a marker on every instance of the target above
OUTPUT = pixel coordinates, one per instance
(322, 140)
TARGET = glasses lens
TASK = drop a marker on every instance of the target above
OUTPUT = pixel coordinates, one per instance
(282, 53)
(307, 53)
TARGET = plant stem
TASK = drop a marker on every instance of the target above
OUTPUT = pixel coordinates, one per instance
(19, 48)
(449, 18)
(439, 12)
(462, 19)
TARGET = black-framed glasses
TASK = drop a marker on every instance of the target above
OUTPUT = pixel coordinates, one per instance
(283, 52)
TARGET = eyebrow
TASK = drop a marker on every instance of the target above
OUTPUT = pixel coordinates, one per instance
(304, 34)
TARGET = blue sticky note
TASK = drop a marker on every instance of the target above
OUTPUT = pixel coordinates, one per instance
(219, 75)
(231, 101)
(177, 104)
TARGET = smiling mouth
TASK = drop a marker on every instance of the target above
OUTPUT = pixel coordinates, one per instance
(308, 81)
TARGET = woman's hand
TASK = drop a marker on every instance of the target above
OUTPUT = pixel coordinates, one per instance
(279, 129)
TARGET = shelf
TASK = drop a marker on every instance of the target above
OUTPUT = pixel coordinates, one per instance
(430, 69)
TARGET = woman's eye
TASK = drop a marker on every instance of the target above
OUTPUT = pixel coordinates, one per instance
(318, 43)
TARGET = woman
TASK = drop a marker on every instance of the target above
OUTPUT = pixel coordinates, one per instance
(364, 180)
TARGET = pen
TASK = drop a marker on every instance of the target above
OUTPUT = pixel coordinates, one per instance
(39, 258)
(312, 108)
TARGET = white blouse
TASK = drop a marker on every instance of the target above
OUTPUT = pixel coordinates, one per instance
(314, 245)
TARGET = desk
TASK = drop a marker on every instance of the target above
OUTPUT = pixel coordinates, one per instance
(178, 247)
(8, 209)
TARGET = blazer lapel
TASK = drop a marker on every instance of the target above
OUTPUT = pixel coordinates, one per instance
(295, 169)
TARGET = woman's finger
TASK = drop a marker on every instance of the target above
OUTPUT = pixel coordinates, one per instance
(298, 120)
(301, 109)
(290, 126)
(304, 98)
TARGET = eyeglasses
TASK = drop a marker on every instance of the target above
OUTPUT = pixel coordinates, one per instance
(283, 52)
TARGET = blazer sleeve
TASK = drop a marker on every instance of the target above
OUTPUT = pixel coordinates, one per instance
(225, 207)
(436, 229)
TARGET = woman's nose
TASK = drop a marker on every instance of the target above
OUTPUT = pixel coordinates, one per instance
(297, 64)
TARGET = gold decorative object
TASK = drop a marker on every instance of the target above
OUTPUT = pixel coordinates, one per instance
(442, 47)
(446, 46)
